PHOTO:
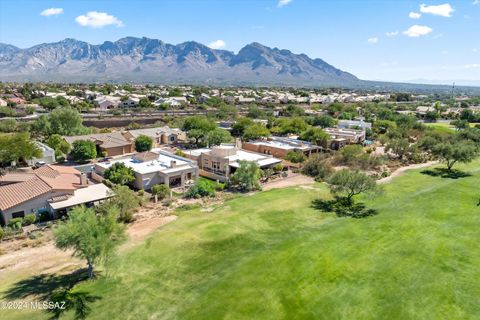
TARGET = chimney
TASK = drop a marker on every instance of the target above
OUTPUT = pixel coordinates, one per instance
(83, 179)
(173, 164)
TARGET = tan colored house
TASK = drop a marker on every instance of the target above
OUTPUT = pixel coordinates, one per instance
(220, 162)
(158, 167)
(49, 188)
(160, 136)
(280, 146)
(113, 144)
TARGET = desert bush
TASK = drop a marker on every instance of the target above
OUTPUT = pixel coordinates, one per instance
(28, 220)
(201, 188)
(15, 223)
(161, 191)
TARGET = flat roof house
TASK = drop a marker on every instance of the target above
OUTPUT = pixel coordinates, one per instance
(153, 168)
(160, 136)
(113, 143)
(219, 162)
(341, 137)
(49, 188)
(354, 124)
(280, 146)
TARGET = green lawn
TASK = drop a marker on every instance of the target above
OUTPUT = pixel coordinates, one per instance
(272, 256)
(441, 126)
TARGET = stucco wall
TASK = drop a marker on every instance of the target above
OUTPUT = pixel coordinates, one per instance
(30, 206)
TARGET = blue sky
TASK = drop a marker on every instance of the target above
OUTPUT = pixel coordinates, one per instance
(444, 43)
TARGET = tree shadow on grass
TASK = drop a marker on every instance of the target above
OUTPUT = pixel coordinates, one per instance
(43, 285)
(445, 173)
(56, 289)
(344, 208)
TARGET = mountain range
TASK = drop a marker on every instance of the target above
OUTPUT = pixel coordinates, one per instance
(147, 60)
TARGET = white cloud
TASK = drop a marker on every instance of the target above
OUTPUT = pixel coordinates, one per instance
(417, 31)
(476, 2)
(475, 50)
(392, 34)
(472, 66)
(282, 3)
(97, 19)
(443, 10)
(373, 40)
(414, 15)
(217, 44)
(51, 12)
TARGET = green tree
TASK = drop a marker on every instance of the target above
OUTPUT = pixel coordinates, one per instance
(324, 121)
(316, 136)
(218, 136)
(143, 143)
(56, 142)
(238, 128)
(66, 121)
(247, 176)
(318, 166)
(454, 151)
(17, 147)
(349, 183)
(255, 131)
(144, 103)
(197, 128)
(91, 237)
(400, 147)
(120, 174)
(125, 202)
(83, 151)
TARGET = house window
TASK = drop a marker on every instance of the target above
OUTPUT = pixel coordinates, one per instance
(216, 165)
(172, 138)
(18, 214)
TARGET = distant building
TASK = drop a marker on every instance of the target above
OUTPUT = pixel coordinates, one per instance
(171, 101)
(161, 135)
(113, 144)
(153, 168)
(354, 124)
(219, 162)
(130, 103)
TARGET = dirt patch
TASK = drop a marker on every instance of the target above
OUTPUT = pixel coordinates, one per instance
(48, 259)
(140, 229)
(290, 181)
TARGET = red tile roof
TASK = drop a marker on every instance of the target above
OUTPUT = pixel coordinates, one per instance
(41, 181)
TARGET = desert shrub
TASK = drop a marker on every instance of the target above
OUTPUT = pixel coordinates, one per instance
(201, 188)
(28, 220)
(161, 191)
(15, 223)
(295, 157)
(141, 193)
(2, 234)
(278, 168)
(317, 166)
